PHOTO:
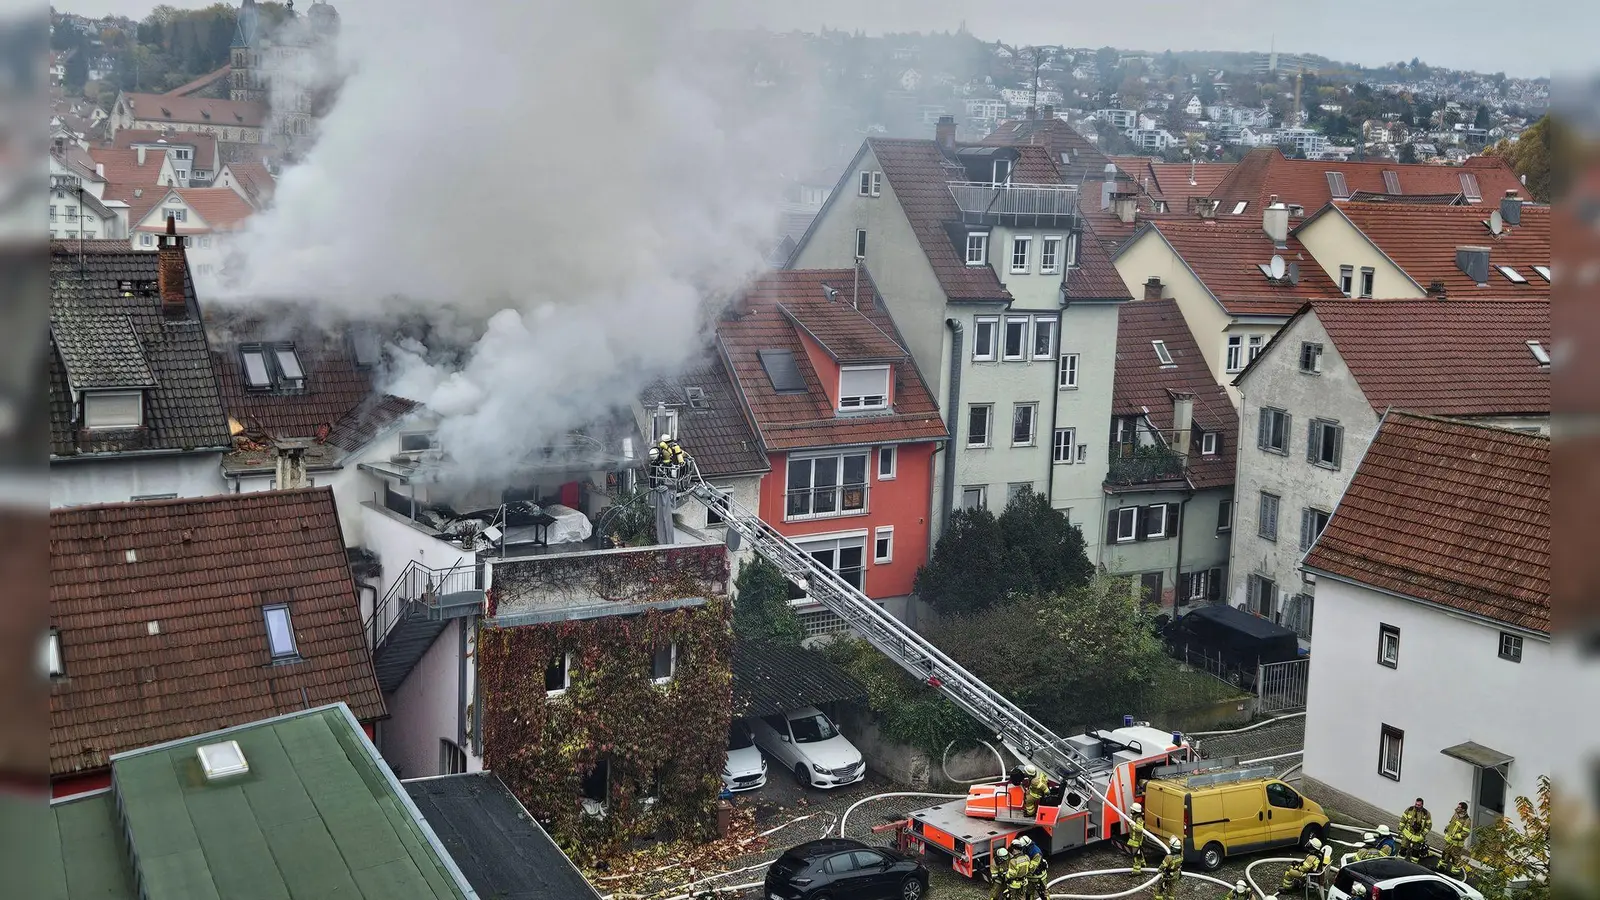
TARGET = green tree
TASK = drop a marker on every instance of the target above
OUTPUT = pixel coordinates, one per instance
(1535, 155)
(1408, 152)
(761, 609)
(1482, 120)
(1509, 853)
(905, 710)
(1045, 549)
(969, 571)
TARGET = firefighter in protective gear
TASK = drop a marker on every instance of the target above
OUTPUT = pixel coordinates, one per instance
(1170, 872)
(1386, 846)
(1241, 891)
(1030, 859)
(1136, 837)
(1369, 847)
(1006, 877)
(1415, 823)
(1453, 861)
(1299, 874)
(1038, 785)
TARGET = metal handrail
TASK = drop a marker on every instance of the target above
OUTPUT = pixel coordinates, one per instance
(983, 198)
(417, 585)
(838, 497)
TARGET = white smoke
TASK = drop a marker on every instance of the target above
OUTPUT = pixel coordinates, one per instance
(565, 182)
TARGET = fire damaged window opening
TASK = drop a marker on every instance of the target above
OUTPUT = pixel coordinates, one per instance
(558, 675)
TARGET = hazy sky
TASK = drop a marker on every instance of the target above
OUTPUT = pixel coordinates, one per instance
(1526, 38)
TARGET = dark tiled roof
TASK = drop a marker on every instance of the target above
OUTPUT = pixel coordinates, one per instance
(1266, 171)
(768, 680)
(1056, 137)
(334, 386)
(360, 425)
(791, 421)
(1422, 240)
(183, 410)
(100, 351)
(1443, 357)
(201, 569)
(920, 175)
(1143, 383)
(1095, 277)
(1449, 513)
(717, 433)
(1225, 257)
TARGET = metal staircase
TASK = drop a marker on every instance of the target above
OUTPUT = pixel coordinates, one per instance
(419, 606)
(1019, 731)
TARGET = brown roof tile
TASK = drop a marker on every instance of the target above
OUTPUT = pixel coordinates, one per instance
(1142, 383)
(257, 181)
(202, 569)
(1443, 357)
(716, 430)
(1095, 277)
(792, 421)
(335, 387)
(205, 145)
(1448, 513)
(1422, 240)
(1225, 256)
(1056, 137)
(195, 110)
(1266, 171)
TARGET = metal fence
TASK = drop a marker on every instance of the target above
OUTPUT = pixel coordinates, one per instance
(1281, 686)
(1296, 615)
(1213, 664)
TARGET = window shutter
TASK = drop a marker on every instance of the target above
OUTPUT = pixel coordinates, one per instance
(1214, 585)
(1338, 444)
(1111, 527)
(1288, 432)
(1307, 523)
(1263, 428)
(1172, 519)
(1140, 530)
(1311, 441)
(1183, 586)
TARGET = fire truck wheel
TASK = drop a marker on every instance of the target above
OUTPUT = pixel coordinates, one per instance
(912, 889)
(1211, 856)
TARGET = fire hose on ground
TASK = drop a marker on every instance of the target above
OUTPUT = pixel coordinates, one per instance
(1127, 893)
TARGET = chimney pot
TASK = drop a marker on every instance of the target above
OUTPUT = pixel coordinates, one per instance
(140, 151)
(1125, 205)
(1511, 208)
(1182, 422)
(1049, 112)
(291, 463)
(944, 133)
(1152, 288)
(171, 265)
(1275, 222)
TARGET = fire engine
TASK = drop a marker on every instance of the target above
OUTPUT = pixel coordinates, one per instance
(1092, 775)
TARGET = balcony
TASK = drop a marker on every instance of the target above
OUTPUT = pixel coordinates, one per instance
(1014, 204)
(824, 502)
(1135, 464)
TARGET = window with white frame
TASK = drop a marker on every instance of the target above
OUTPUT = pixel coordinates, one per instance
(1016, 339)
(1083, 454)
(1224, 516)
(977, 248)
(1391, 746)
(1388, 646)
(1235, 361)
(975, 496)
(146, 240)
(1255, 348)
(1367, 277)
(1157, 523)
(1023, 416)
(663, 663)
(1126, 524)
(1072, 250)
(1210, 442)
(54, 664)
(1044, 337)
(832, 485)
(1050, 256)
(883, 544)
(1324, 443)
(1510, 646)
(1310, 358)
(1542, 272)
(1002, 171)
(861, 243)
(1067, 372)
(113, 409)
(983, 337)
(870, 185)
(280, 632)
(844, 555)
(1347, 280)
(1163, 356)
(452, 759)
(558, 675)
(978, 418)
(1061, 446)
(886, 463)
(863, 387)
(1021, 253)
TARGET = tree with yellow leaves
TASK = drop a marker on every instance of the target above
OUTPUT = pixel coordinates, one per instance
(1507, 853)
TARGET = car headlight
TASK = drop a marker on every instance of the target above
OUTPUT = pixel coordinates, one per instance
(763, 763)
(819, 770)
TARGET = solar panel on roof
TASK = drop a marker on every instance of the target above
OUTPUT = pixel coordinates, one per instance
(1391, 181)
(781, 371)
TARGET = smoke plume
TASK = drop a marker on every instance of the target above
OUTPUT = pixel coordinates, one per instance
(558, 188)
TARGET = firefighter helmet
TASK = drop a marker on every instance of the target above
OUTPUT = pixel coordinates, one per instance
(1240, 886)
(1029, 770)
(1358, 889)
(1383, 831)
(1315, 843)
(1001, 853)
(1022, 842)
(1137, 807)
(1176, 844)
(1369, 838)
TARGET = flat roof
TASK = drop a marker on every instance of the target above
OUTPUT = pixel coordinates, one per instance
(84, 828)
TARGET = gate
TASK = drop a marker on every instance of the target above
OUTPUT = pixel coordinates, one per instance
(1281, 686)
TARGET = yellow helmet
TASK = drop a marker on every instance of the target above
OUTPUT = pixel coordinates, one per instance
(1029, 770)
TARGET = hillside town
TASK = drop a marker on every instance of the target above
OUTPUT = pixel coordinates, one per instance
(1195, 407)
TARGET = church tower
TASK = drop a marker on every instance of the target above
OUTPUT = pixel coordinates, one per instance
(244, 63)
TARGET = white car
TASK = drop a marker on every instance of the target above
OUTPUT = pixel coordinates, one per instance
(746, 768)
(1389, 878)
(807, 743)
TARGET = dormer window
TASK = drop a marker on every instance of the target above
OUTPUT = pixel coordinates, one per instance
(113, 409)
(864, 387)
(1002, 172)
(52, 655)
(977, 248)
(272, 367)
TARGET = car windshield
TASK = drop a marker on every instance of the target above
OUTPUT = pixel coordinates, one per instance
(739, 738)
(812, 729)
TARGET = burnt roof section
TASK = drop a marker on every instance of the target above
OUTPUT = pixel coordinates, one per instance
(1144, 383)
(104, 306)
(1448, 513)
(334, 386)
(201, 570)
(497, 845)
(713, 428)
(769, 680)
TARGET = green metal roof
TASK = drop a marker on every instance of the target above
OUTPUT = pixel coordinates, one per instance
(87, 830)
(316, 815)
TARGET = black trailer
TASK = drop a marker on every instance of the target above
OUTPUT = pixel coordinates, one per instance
(1230, 641)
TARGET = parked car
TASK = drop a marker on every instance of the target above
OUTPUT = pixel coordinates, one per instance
(841, 869)
(746, 768)
(807, 743)
(1398, 879)
(1221, 820)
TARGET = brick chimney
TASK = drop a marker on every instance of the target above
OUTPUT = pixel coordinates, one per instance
(170, 267)
(1152, 288)
(944, 133)
(1126, 205)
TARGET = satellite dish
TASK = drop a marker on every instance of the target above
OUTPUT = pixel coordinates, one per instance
(1496, 223)
(1294, 273)
(1277, 266)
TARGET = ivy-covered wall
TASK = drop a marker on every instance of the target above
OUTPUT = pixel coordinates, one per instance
(543, 747)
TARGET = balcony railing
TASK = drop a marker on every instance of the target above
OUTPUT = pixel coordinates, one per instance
(826, 502)
(1143, 464)
(1021, 201)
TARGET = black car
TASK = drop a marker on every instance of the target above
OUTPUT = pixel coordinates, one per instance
(840, 869)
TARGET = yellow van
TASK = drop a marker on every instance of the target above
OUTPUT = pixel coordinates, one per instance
(1225, 819)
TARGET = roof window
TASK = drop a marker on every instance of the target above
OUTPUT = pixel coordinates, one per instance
(52, 655)
(1391, 182)
(1161, 352)
(1543, 271)
(1337, 186)
(1512, 275)
(696, 397)
(1540, 354)
(782, 371)
(222, 760)
(1469, 187)
(280, 632)
(366, 347)
(1238, 208)
(272, 367)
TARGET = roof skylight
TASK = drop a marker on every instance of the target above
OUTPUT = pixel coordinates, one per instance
(1512, 275)
(1238, 208)
(1544, 272)
(1540, 354)
(1161, 352)
(222, 760)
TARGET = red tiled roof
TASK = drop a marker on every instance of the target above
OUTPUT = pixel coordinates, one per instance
(256, 180)
(195, 110)
(201, 570)
(1266, 171)
(1142, 382)
(1422, 240)
(1443, 357)
(1095, 278)
(1057, 138)
(1448, 513)
(1172, 180)
(222, 209)
(1225, 256)
(205, 145)
(920, 176)
(334, 386)
(203, 81)
(800, 420)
